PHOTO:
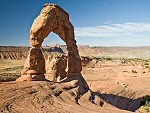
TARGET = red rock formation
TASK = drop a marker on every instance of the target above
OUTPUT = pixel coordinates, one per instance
(13, 52)
(52, 18)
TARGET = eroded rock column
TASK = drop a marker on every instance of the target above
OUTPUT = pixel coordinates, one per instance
(74, 61)
(34, 68)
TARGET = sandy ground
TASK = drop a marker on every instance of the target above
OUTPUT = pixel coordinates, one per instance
(107, 75)
(116, 87)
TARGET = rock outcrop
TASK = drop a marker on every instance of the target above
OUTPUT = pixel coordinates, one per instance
(41, 96)
(70, 96)
(56, 67)
(13, 52)
(21, 52)
(52, 49)
(52, 18)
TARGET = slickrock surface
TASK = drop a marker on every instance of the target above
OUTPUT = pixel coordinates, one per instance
(43, 97)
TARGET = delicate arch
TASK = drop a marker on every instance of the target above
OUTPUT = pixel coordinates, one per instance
(55, 19)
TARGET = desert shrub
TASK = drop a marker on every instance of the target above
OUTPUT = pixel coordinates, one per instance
(146, 63)
(134, 71)
(124, 61)
(6, 77)
(146, 66)
(107, 58)
(142, 65)
(145, 103)
(125, 71)
(146, 60)
(17, 68)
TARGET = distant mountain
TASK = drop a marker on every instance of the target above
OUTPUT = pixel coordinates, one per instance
(13, 52)
(123, 52)
(21, 52)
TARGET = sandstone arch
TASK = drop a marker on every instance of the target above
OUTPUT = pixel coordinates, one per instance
(52, 19)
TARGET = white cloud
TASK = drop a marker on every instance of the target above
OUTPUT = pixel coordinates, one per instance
(114, 30)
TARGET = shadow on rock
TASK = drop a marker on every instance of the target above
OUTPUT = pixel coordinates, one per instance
(122, 102)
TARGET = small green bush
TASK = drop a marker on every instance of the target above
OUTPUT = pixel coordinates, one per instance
(146, 63)
(134, 71)
(145, 103)
(146, 66)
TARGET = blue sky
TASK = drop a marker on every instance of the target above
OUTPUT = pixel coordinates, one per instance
(96, 22)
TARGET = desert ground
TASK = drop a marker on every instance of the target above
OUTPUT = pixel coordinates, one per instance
(118, 85)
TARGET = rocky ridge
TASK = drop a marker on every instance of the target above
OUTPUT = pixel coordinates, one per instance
(21, 52)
